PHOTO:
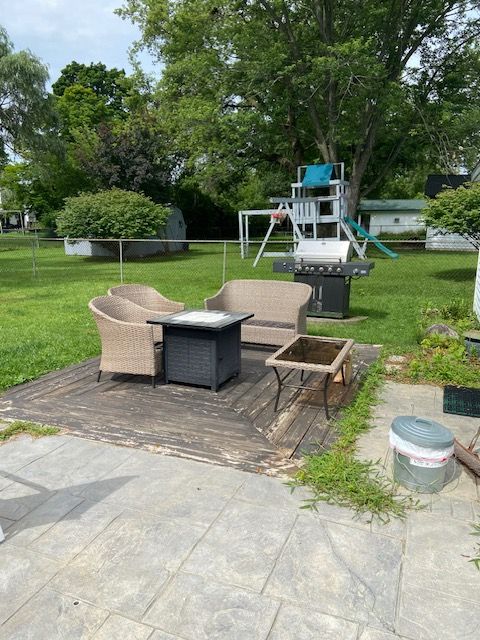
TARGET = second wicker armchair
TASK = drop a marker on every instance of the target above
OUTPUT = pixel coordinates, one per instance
(146, 297)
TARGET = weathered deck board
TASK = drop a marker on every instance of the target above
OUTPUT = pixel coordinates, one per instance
(235, 426)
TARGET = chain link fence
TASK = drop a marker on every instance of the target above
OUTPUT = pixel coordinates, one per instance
(46, 284)
(192, 270)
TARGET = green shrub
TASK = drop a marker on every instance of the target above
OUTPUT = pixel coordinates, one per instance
(457, 313)
(456, 211)
(111, 214)
(444, 360)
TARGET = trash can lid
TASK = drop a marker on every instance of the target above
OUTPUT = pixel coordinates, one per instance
(422, 432)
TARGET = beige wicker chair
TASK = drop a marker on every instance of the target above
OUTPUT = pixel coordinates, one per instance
(280, 308)
(129, 344)
(146, 297)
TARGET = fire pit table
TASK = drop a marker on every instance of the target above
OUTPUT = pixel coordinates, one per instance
(201, 347)
(314, 354)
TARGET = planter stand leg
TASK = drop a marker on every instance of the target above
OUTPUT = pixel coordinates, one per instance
(325, 395)
(279, 381)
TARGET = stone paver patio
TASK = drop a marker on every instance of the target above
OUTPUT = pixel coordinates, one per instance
(106, 542)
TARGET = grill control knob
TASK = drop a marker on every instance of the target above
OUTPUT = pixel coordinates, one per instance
(355, 271)
(321, 269)
(312, 268)
(330, 269)
(339, 270)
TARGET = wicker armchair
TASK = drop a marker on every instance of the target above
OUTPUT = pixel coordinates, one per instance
(280, 308)
(146, 297)
(128, 344)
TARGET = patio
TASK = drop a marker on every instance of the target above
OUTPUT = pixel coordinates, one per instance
(107, 542)
(237, 426)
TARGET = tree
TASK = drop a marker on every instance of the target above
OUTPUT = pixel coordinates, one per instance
(41, 183)
(456, 211)
(131, 155)
(112, 85)
(24, 104)
(103, 136)
(111, 214)
(251, 84)
(80, 108)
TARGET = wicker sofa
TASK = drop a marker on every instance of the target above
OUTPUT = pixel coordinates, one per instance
(129, 345)
(146, 297)
(280, 308)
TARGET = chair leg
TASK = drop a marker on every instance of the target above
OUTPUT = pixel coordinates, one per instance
(99, 374)
(153, 382)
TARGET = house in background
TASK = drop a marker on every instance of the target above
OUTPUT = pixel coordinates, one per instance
(438, 182)
(391, 216)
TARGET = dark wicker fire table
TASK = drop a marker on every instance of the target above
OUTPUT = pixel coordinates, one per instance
(201, 347)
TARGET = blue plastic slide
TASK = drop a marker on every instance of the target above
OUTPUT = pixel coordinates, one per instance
(376, 241)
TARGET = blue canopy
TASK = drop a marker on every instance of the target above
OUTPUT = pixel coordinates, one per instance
(317, 175)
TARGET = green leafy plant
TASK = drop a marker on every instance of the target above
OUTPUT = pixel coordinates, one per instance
(33, 429)
(457, 313)
(444, 360)
(456, 211)
(111, 214)
(337, 477)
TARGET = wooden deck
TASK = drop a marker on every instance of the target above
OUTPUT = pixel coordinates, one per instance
(235, 426)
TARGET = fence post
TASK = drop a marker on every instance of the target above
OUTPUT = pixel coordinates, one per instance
(120, 253)
(224, 273)
(34, 259)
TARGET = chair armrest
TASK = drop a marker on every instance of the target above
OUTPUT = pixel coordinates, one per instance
(170, 306)
(126, 336)
(301, 321)
(215, 302)
(174, 306)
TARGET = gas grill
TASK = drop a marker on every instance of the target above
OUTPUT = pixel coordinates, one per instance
(327, 267)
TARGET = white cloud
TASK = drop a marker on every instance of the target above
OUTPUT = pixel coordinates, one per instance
(59, 31)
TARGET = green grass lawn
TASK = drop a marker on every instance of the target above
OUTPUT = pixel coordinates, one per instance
(45, 323)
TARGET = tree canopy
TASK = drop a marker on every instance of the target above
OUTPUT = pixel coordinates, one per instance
(110, 84)
(24, 103)
(251, 85)
(106, 134)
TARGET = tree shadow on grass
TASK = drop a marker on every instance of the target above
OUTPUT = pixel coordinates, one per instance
(456, 275)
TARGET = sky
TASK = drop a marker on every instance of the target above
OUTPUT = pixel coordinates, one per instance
(59, 31)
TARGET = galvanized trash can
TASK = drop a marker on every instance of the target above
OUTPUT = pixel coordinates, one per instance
(422, 449)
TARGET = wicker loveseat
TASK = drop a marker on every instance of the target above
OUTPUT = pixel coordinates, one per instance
(129, 345)
(280, 308)
(146, 297)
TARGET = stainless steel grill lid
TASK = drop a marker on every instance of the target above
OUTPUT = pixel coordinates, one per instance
(317, 251)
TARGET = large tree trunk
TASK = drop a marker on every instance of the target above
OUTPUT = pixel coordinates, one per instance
(362, 156)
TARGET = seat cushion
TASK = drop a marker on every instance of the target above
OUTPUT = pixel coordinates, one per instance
(274, 324)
